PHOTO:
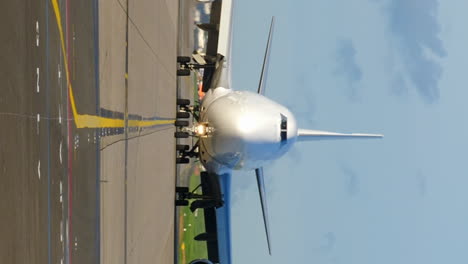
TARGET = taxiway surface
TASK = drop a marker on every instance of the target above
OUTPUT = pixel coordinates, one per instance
(87, 147)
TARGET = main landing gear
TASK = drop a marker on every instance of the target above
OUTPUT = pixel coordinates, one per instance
(184, 153)
(184, 110)
(185, 65)
(209, 199)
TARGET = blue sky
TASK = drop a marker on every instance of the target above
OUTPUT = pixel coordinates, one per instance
(392, 67)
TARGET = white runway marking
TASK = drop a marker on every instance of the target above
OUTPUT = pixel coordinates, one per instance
(66, 235)
(61, 226)
(37, 79)
(37, 33)
(61, 197)
(77, 142)
(60, 115)
(39, 169)
(60, 158)
(38, 118)
(59, 67)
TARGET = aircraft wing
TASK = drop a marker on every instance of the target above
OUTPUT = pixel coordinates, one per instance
(219, 48)
(225, 29)
(223, 220)
(219, 45)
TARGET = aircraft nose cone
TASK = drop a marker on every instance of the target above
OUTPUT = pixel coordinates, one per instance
(248, 128)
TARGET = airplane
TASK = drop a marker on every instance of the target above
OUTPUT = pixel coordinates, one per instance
(238, 130)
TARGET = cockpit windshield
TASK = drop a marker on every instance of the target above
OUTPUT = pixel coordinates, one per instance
(284, 129)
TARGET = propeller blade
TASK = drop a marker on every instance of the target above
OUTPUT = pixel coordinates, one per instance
(266, 59)
(261, 191)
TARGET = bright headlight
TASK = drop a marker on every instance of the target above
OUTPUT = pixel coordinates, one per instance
(201, 130)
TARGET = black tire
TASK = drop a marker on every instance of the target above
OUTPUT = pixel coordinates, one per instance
(183, 115)
(181, 189)
(205, 237)
(183, 72)
(183, 102)
(180, 134)
(182, 160)
(183, 59)
(202, 204)
(181, 202)
(181, 123)
(180, 147)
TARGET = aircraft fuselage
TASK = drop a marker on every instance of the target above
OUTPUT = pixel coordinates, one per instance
(248, 130)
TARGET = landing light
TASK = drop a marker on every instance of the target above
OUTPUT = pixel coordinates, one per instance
(201, 130)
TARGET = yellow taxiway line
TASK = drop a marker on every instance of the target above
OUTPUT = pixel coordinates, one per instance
(93, 121)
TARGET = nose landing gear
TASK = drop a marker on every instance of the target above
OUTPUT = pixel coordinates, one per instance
(184, 152)
(185, 109)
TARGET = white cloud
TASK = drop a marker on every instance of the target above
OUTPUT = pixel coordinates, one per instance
(347, 66)
(415, 26)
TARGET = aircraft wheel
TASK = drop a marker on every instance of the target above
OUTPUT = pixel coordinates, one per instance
(183, 102)
(202, 204)
(183, 115)
(180, 134)
(182, 189)
(181, 123)
(183, 72)
(181, 202)
(183, 59)
(181, 147)
(182, 160)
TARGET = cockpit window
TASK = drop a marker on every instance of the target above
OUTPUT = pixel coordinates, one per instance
(284, 129)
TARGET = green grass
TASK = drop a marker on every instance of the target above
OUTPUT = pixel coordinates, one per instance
(193, 224)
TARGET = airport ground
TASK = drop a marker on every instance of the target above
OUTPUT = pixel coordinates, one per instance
(76, 187)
